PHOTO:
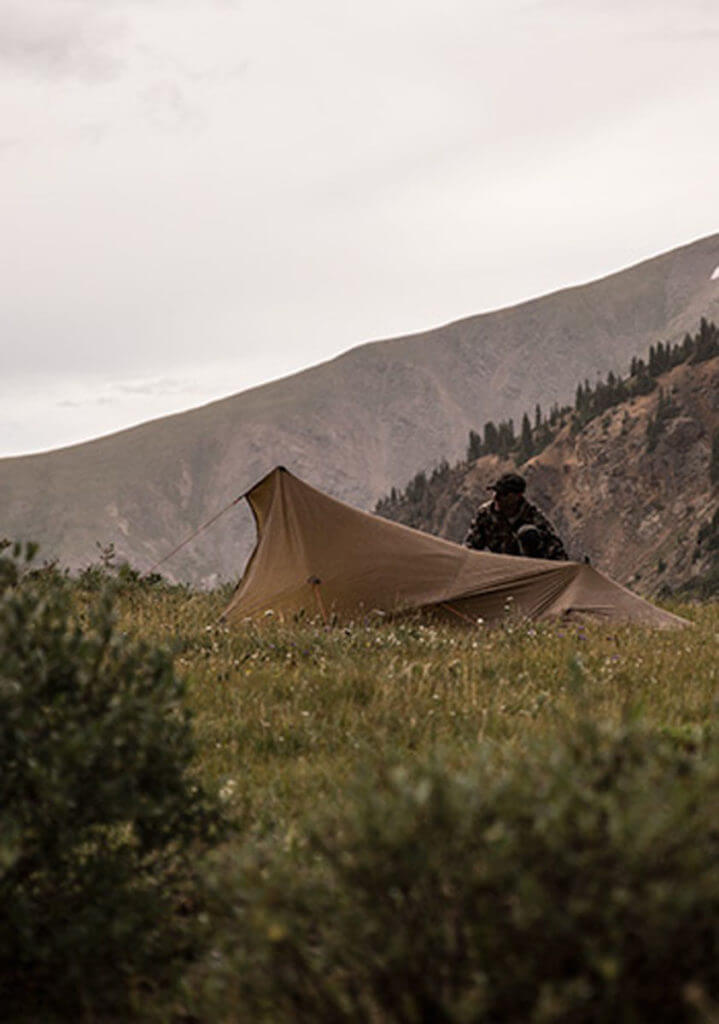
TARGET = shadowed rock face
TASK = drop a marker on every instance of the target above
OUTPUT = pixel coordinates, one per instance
(354, 426)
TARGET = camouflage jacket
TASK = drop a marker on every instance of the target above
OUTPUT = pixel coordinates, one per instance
(490, 530)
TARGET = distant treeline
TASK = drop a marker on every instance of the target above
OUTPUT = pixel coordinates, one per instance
(590, 401)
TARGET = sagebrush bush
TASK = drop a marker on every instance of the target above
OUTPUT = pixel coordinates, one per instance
(581, 884)
(100, 817)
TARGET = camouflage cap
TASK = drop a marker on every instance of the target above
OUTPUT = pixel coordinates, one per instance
(509, 483)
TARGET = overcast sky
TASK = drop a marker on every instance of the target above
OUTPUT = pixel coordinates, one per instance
(201, 195)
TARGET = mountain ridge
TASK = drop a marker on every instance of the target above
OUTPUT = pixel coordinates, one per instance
(351, 425)
(452, 324)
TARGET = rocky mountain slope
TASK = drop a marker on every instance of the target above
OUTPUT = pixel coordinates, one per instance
(636, 490)
(352, 426)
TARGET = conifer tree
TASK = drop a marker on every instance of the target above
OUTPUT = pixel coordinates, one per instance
(505, 440)
(474, 448)
(652, 361)
(526, 445)
(491, 438)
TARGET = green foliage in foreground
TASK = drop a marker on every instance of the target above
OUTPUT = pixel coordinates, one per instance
(100, 816)
(437, 823)
(580, 883)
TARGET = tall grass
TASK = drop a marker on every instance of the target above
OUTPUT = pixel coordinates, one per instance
(285, 714)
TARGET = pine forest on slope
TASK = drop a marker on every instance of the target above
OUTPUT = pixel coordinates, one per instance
(630, 472)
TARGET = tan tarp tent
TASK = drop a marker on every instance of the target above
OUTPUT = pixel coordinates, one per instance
(316, 554)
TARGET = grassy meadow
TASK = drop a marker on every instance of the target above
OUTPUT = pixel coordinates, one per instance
(394, 821)
(285, 714)
(324, 744)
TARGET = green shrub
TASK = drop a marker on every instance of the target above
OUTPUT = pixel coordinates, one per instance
(579, 885)
(107, 569)
(100, 818)
(706, 584)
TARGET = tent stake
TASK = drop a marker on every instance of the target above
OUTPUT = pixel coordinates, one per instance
(459, 615)
(314, 582)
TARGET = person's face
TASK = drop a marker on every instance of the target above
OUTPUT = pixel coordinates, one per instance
(508, 503)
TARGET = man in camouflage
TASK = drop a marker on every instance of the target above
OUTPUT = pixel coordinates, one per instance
(508, 524)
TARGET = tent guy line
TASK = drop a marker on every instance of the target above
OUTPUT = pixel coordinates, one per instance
(210, 521)
(195, 533)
